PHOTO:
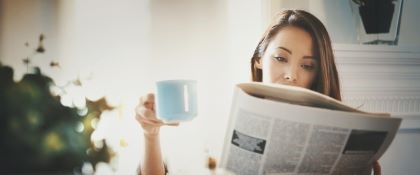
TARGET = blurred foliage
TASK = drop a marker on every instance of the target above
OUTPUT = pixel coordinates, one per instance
(40, 135)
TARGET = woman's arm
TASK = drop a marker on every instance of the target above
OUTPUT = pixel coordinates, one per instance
(152, 160)
(152, 163)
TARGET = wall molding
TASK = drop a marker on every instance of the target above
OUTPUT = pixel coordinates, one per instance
(397, 105)
(381, 79)
(394, 66)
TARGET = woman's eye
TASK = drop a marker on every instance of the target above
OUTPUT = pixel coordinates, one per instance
(281, 59)
(307, 66)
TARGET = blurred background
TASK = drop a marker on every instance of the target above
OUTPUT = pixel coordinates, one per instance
(116, 50)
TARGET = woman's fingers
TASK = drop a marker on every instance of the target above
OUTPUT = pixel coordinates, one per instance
(149, 122)
(147, 113)
(172, 123)
(148, 101)
(156, 121)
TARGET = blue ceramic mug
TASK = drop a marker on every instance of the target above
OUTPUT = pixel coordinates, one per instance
(176, 100)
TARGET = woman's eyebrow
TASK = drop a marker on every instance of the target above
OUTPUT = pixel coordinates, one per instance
(290, 52)
(285, 49)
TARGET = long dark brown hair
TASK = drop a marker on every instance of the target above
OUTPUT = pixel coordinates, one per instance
(327, 81)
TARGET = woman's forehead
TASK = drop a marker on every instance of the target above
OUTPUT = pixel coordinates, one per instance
(293, 40)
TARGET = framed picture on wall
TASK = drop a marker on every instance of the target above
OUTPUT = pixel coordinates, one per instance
(377, 21)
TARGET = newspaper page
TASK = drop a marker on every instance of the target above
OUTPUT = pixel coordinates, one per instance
(267, 136)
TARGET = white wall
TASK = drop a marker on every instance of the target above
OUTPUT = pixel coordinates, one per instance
(22, 21)
(125, 46)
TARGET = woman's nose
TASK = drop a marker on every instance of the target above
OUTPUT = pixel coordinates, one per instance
(290, 75)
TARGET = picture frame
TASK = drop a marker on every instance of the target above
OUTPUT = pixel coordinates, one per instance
(390, 37)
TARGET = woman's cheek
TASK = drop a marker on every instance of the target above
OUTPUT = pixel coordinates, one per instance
(307, 79)
(277, 72)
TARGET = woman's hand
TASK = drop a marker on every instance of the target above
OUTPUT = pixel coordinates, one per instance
(146, 116)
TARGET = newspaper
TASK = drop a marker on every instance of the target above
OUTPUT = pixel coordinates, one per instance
(279, 129)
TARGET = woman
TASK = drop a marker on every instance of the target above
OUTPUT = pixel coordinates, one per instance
(295, 50)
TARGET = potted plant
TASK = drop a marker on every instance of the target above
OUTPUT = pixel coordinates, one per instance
(39, 135)
(376, 15)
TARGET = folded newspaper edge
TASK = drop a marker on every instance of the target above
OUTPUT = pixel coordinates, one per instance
(280, 129)
(298, 95)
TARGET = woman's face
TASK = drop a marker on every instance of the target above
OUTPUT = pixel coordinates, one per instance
(289, 59)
